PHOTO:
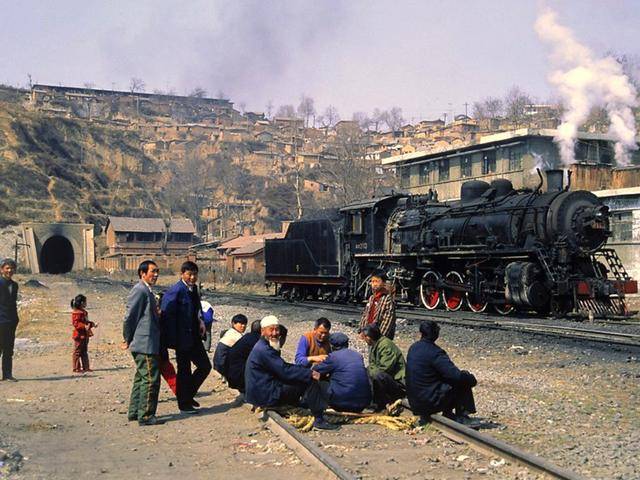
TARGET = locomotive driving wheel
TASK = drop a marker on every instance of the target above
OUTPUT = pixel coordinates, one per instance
(453, 297)
(477, 302)
(503, 308)
(429, 292)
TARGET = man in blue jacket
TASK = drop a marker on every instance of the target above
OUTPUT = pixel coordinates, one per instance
(183, 330)
(434, 383)
(349, 389)
(8, 316)
(271, 382)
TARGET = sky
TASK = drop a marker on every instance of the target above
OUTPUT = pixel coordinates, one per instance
(427, 57)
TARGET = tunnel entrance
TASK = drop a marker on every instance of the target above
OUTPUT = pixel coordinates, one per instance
(56, 255)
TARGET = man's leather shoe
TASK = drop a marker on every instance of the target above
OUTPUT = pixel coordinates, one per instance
(322, 424)
(153, 420)
(189, 411)
(195, 404)
(10, 379)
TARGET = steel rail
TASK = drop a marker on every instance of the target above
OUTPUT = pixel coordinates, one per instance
(306, 450)
(574, 333)
(493, 446)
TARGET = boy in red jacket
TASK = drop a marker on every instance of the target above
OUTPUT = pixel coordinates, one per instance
(82, 330)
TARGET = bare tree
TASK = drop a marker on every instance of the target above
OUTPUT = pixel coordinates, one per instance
(490, 107)
(515, 105)
(393, 118)
(286, 111)
(363, 120)
(329, 117)
(269, 108)
(377, 118)
(353, 176)
(136, 85)
(89, 85)
(198, 92)
(221, 95)
(306, 109)
(242, 106)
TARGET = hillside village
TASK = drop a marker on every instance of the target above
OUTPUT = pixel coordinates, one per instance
(84, 155)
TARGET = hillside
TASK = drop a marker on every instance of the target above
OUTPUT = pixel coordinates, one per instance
(56, 168)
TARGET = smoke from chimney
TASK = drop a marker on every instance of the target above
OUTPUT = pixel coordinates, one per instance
(583, 82)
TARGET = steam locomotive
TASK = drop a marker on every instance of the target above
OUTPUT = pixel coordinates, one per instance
(529, 249)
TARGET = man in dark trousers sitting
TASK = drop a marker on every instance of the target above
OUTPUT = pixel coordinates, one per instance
(183, 330)
(434, 383)
(237, 356)
(386, 367)
(272, 382)
(349, 389)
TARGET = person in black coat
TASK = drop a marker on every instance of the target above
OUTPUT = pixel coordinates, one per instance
(8, 316)
(434, 383)
(272, 382)
(183, 330)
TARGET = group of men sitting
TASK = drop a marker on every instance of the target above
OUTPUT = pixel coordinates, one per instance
(327, 373)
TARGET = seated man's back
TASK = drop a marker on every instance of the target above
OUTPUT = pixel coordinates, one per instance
(349, 387)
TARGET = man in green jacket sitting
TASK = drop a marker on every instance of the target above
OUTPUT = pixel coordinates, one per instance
(386, 367)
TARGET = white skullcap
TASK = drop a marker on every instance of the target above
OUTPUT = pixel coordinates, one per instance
(268, 321)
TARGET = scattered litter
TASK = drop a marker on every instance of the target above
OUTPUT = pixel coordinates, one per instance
(16, 400)
(462, 458)
(497, 463)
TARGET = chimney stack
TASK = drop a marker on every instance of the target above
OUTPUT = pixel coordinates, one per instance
(555, 180)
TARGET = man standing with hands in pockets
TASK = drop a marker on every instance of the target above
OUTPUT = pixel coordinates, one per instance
(141, 332)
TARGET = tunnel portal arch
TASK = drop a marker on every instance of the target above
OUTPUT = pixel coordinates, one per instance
(57, 255)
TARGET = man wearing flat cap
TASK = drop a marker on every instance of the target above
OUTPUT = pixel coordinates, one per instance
(8, 316)
(381, 308)
(434, 383)
(272, 382)
(349, 389)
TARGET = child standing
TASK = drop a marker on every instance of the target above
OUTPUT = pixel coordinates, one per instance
(82, 330)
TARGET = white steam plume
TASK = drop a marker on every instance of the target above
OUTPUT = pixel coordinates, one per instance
(584, 82)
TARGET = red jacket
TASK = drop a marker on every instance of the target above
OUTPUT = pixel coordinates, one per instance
(81, 324)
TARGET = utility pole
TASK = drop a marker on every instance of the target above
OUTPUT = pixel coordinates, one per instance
(466, 106)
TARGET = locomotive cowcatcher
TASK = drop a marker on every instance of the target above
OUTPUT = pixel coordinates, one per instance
(530, 250)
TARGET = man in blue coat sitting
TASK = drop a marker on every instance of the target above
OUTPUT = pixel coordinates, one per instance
(183, 329)
(349, 389)
(271, 382)
(434, 383)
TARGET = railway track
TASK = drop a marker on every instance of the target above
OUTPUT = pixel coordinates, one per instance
(311, 454)
(467, 320)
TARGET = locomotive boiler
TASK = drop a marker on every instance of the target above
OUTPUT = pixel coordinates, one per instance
(531, 250)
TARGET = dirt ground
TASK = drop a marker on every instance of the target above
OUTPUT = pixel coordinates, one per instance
(550, 400)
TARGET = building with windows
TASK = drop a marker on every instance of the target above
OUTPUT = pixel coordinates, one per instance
(512, 155)
(624, 205)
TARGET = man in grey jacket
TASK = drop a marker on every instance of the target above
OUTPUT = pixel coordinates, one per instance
(141, 332)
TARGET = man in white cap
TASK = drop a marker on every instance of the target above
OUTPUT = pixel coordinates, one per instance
(270, 381)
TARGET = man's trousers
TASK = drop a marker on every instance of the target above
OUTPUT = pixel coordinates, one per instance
(7, 340)
(146, 386)
(189, 382)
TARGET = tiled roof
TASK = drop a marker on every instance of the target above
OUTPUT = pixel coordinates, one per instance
(131, 224)
(245, 240)
(250, 249)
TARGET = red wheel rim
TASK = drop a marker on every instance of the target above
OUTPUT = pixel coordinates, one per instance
(504, 309)
(476, 307)
(429, 294)
(453, 298)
